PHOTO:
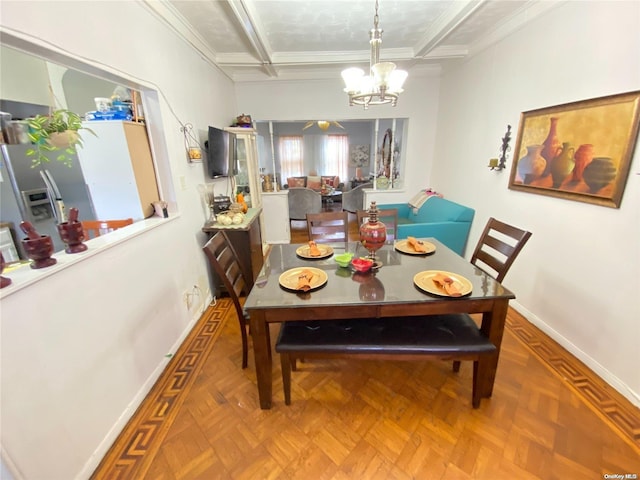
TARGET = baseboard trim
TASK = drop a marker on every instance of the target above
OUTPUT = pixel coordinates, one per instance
(609, 404)
(136, 444)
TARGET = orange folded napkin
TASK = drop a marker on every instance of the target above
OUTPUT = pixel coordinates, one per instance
(416, 244)
(314, 251)
(447, 284)
(304, 280)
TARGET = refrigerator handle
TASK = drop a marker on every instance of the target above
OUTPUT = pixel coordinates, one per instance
(54, 197)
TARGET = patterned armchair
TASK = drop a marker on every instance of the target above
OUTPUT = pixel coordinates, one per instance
(353, 200)
(302, 201)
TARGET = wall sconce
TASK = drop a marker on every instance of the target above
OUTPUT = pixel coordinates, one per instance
(194, 152)
(494, 163)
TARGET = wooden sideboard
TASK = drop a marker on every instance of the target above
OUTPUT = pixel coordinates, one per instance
(246, 239)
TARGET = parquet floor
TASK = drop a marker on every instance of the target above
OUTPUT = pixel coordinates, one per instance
(549, 418)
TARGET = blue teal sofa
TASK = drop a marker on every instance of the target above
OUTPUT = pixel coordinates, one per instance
(442, 219)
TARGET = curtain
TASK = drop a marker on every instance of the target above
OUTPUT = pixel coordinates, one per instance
(291, 162)
(336, 156)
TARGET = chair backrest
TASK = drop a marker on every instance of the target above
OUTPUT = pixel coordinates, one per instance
(224, 261)
(353, 200)
(303, 200)
(490, 244)
(95, 228)
(388, 216)
(328, 226)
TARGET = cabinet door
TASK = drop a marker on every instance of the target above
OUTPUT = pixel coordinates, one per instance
(242, 165)
(247, 165)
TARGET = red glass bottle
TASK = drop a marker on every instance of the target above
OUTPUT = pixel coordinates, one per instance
(373, 232)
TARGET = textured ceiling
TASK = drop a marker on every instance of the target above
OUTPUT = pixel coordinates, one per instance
(262, 39)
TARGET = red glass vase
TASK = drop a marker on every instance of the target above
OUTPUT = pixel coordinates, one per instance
(373, 232)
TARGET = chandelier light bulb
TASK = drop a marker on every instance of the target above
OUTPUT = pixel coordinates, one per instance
(352, 78)
(396, 80)
(382, 72)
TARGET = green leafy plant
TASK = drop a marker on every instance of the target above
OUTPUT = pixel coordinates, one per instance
(56, 132)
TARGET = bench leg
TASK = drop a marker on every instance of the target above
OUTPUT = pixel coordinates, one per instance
(285, 365)
(456, 366)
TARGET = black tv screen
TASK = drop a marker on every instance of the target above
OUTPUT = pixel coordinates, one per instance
(221, 149)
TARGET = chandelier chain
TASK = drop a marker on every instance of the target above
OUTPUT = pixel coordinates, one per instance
(375, 17)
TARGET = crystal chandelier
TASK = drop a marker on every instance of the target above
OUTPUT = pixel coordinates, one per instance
(384, 82)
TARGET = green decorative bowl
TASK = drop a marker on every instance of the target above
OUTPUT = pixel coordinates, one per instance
(344, 259)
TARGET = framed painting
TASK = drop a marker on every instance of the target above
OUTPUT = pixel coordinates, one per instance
(359, 155)
(578, 151)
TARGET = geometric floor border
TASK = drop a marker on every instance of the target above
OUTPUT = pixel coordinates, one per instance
(131, 454)
(605, 401)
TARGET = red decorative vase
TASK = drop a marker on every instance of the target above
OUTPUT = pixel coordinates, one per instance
(373, 233)
(583, 157)
(4, 281)
(551, 145)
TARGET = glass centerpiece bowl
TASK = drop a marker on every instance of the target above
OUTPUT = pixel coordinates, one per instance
(373, 234)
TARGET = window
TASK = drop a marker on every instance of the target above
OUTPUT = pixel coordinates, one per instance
(291, 162)
(336, 158)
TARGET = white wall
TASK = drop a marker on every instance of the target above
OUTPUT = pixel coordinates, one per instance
(80, 348)
(578, 278)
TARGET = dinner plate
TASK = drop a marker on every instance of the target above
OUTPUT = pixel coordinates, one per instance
(289, 279)
(304, 251)
(404, 247)
(424, 281)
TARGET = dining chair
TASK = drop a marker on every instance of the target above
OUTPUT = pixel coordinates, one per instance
(95, 228)
(507, 244)
(224, 261)
(328, 226)
(497, 248)
(387, 216)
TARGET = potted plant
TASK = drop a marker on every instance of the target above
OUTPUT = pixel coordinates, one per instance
(56, 132)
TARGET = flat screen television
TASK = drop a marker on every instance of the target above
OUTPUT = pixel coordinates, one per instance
(221, 153)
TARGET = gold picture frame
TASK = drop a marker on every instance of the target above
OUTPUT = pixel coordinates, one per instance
(578, 151)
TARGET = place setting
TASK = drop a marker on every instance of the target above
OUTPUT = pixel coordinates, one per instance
(414, 246)
(314, 251)
(442, 283)
(303, 279)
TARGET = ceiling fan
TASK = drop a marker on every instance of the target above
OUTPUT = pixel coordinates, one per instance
(322, 124)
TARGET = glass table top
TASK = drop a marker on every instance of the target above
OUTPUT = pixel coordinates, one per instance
(392, 283)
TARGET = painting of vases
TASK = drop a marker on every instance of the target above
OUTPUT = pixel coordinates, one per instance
(578, 151)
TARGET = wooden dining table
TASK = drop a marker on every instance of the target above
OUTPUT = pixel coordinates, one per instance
(388, 291)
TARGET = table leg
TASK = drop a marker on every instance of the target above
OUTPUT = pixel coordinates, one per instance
(493, 324)
(262, 355)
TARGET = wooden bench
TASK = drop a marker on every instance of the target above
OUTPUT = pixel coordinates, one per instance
(443, 337)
